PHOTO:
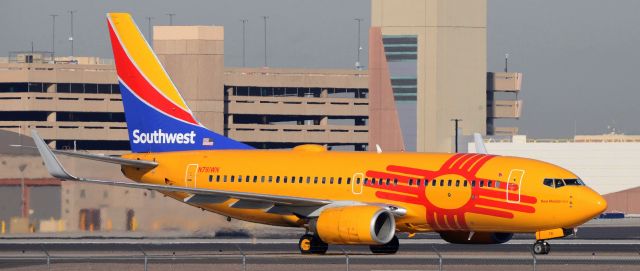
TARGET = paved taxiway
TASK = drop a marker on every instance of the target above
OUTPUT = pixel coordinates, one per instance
(596, 248)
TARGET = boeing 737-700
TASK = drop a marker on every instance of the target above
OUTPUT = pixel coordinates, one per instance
(339, 197)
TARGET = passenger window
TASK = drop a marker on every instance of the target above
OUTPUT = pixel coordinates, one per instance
(558, 182)
(255, 179)
(240, 178)
(481, 183)
(339, 180)
(441, 182)
(410, 182)
(497, 184)
(217, 178)
(262, 179)
(284, 179)
(418, 182)
(465, 183)
(489, 184)
(331, 180)
(308, 179)
(367, 181)
(277, 179)
(315, 180)
(548, 182)
(357, 180)
(232, 178)
(210, 178)
(433, 182)
(300, 179)
(348, 180)
(394, 181)
(224, 178)
(324, 179)
(270, 179)
(457, 183)
(449, 183)
(473, 183)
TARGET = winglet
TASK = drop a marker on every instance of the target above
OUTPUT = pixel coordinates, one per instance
(50, 161)
(480, 148)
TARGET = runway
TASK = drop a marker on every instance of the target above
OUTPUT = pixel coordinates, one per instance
(281, 254)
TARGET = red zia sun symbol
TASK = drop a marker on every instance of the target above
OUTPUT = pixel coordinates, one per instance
(446, 207)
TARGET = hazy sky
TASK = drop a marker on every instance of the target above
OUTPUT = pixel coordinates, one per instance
(580, 58)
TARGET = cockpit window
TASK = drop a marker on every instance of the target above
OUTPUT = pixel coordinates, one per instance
(548, 182)
(557, 183)
(573, 182)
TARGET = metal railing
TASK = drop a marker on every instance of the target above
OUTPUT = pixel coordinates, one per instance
(242, 258)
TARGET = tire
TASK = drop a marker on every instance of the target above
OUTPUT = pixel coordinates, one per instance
(318, 246)
(388, 248)
(541, 248)
(305, 244)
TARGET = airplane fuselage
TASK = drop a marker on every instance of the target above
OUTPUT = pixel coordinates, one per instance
(440, 192)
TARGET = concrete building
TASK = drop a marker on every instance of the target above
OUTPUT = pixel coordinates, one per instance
(434, 53)
(427, 65)
(607, 163)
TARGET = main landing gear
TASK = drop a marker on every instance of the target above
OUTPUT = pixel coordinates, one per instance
(541, 247)
(311, 244)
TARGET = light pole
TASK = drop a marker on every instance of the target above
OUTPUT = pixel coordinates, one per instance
(71, 12)
(244, 38)
(456, 132)
(170, 17)
(53, 37)
(149, 37)
(265, 39)
(506, 62)
(359, 20)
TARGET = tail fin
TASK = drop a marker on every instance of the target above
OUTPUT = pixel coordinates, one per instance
(158, 119)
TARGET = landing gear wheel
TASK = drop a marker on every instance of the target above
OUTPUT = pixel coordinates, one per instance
(541, 247)
(388, 248)
(311, 244)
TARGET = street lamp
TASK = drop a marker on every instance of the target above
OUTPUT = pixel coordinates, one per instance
(456, 132)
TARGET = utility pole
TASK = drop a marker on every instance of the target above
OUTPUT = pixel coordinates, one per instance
(244, 39)
(265, 39)
(506, 62)
(358, 67)
(53, 37)
(71, 12)
(456, 131)
(170, 17)
(149, 34)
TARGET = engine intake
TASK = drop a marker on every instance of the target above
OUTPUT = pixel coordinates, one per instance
(462, 237)
(351, 225)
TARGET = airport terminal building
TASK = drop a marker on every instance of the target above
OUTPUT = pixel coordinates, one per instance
(404, 100)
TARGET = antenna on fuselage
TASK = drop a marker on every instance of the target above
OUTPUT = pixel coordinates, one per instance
(378, 149)
(480, 147)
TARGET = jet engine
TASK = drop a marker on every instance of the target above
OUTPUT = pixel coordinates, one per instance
(362, 225)
(462, 237)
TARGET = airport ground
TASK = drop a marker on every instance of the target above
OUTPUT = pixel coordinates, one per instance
(601, 245)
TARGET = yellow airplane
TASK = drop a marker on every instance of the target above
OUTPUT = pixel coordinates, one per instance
(351, 198)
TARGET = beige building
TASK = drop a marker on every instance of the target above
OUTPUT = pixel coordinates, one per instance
(436, 52)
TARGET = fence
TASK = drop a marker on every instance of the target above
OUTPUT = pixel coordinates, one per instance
(342, 259)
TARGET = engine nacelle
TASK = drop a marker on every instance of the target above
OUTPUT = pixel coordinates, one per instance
(462, 237)
(351, 225)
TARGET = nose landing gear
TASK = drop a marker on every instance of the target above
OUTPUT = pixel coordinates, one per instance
(541, 247)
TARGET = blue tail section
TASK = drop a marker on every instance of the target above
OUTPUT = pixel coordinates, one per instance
(153, 131)
(158, 118)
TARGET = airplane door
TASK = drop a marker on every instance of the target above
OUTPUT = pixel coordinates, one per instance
(190, 175)
(514, 185)
(356, 183)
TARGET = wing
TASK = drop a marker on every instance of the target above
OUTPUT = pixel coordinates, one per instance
(57, 170)
(276, 204)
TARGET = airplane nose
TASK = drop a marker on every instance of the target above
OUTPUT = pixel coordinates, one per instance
(598, 204)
